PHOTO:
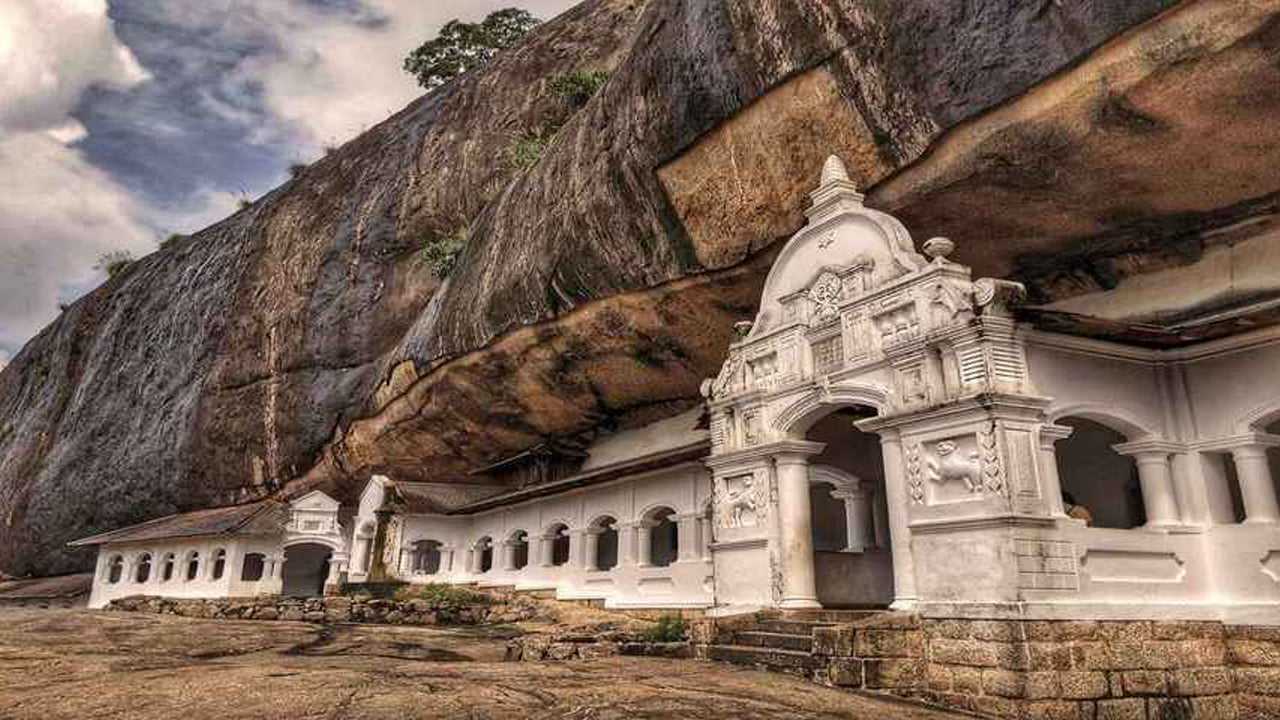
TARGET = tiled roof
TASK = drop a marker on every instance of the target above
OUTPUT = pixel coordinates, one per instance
(417, 498)
(264, 517)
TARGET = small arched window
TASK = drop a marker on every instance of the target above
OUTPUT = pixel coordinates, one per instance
(559, 545)
(606, 544)
(664, 537)
(166, 567)
(520, 550)
(142, 572)
(193, 565)
(426, 557)
(253, 567)
(219, 564)
(115, 569)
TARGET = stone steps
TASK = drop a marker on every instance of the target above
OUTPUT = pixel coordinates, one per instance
(791, 627)
(779, 641)
(788, 661)
(831, 616)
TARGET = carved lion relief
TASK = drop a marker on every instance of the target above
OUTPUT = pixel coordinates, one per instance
(948, 463)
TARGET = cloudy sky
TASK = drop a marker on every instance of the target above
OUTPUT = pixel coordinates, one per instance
(122, 121)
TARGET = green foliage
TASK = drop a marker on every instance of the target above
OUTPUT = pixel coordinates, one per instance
(296, 169)
(114, 262)
(442, 255)
(527, 149)
(578, 86)
(462, 46)
(670, 628)
(244, 204)
(448, 598)
(170, 239)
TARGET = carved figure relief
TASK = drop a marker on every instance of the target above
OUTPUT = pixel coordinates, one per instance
(948, 302)
(740, 502)
(948, 463)
(898, 323)
(825, 294)
(723, 383)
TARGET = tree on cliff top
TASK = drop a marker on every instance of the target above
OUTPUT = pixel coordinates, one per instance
(462, 46)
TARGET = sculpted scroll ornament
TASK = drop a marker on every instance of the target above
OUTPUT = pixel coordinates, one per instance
(993, 478)
(915, 483)
(825, 294)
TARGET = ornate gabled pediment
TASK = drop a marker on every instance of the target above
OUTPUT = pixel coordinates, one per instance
(860, 248)
(848, 301)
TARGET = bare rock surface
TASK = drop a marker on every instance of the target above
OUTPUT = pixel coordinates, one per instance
(312, 339)
(57, 664)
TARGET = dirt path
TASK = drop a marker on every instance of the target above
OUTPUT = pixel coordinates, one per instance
(83, 665)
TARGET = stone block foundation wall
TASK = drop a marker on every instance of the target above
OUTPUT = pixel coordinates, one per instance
(335, 609)
(1053, 670)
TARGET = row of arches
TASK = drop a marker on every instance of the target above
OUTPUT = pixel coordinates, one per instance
(1104, 487)
(657, 538)
(140, 570)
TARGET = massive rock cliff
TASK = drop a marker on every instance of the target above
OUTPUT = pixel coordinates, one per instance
(313, 338)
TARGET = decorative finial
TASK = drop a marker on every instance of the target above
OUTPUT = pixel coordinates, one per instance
(938, 248)
(834, 171)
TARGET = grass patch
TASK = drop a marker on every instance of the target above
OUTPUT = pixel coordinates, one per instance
(579, 86)
(670, 628)
(527, 149)
(442, 254)
(449, 598)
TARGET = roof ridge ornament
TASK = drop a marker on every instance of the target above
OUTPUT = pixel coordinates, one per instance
(834, 171)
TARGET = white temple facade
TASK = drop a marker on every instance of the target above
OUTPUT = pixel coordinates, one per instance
(885, 433)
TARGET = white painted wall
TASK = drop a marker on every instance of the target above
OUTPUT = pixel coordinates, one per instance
(686, 582)
(203, 586)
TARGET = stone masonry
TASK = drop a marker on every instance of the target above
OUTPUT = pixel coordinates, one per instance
(1053, 670)
(335, 609)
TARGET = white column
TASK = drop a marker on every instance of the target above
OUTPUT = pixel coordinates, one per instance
(644, 548)
(1049, 436)
(472, 565)
(544, 551)
(857, 519)
(895, 482)
(591, 549)
(1157, 488)
(795, 531)
(627, 544)
(509, 555)
(1256, 487)
(687, 538)
(446, 559)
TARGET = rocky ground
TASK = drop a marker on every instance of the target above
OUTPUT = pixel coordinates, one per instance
(77, 664)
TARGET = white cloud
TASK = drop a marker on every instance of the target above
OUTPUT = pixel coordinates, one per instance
(328, 75)
(51, 52)
(57, 212)
(4, 359)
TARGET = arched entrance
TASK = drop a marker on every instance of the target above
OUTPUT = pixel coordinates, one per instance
(306, 569)
(852, 558)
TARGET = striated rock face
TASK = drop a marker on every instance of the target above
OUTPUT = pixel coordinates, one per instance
(308, 340)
